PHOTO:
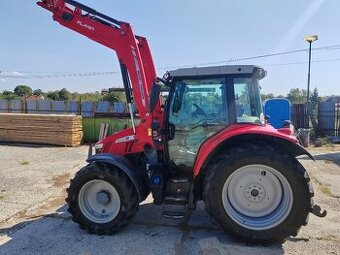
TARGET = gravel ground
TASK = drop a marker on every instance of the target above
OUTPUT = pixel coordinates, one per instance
(33, 217)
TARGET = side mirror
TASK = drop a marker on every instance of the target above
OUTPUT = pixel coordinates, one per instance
(154, 96)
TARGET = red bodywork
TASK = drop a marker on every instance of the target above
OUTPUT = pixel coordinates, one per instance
(235, 130)
(134, 52)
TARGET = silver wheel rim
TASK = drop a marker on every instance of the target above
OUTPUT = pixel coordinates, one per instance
(257, 197)
(99, 201)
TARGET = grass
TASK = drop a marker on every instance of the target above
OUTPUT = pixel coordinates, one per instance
(323, 188)
(323, 142)
(2, 197)
(24, 163)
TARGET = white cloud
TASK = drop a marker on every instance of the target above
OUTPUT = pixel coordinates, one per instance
(11, 74)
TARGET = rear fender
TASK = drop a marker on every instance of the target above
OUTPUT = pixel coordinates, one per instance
(293, 149)
(246, 133)
(289, 147)
(124, 165)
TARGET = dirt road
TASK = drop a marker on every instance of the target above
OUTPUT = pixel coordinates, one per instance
(33, 217)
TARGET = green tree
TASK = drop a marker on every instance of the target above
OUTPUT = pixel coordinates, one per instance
(315, 99)
(111, 97)
(120, 95)
(23, 90)
(53, 95)
(9, 95)
(37, 92)
(64, 95)
(267, 96)
(297, 96)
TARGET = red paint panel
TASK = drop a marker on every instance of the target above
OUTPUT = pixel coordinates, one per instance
(209, 145)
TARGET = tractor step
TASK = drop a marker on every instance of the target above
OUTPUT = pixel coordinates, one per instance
(175, 200)
(179, 180)
(174, 211)
(175, 206)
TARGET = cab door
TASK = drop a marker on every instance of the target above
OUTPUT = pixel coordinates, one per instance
(197, 110)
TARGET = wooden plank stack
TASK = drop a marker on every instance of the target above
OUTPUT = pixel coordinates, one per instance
(52, 129)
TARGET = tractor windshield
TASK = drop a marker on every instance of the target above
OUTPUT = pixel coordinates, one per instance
(247, 100)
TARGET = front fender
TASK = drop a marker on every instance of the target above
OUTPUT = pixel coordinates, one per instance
(124, 165)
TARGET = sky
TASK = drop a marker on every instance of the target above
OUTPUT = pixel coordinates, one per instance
(34, 49)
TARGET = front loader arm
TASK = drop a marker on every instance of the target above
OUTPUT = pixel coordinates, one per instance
(114, 34)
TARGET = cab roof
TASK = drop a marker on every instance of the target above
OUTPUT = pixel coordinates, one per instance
(219, 70)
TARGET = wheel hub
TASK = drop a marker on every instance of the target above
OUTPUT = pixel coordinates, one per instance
(254, 192)
(103, 197)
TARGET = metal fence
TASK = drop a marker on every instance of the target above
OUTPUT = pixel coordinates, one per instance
(329, 119)
(86, 109)
(299, 116)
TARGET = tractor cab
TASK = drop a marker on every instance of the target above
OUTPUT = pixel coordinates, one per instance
(203, 101)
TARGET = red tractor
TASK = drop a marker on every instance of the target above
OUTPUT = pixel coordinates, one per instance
(209, 142)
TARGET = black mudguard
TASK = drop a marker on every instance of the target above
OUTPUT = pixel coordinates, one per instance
(124, 165)
(298, 150)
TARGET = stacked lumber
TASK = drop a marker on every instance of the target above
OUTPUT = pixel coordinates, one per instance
(41, 129)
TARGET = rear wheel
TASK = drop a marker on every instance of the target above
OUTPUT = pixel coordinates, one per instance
(101, 199)
(258, 194)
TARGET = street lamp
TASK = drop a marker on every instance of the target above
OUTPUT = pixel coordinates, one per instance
(310, 39)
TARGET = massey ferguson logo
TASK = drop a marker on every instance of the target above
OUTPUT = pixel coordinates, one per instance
(85, 25)
(125, 139)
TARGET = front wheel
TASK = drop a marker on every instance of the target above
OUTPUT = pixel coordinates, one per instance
(101, 199)
(258, 194)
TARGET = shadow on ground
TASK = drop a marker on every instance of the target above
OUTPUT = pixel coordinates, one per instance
(29, 145)
(334, 157)
(149, 233)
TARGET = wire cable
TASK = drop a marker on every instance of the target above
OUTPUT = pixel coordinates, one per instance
(330, 47)
(53, 75)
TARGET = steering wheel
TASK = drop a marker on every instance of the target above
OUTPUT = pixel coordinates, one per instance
(199, 110)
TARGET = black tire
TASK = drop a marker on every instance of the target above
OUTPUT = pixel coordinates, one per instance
(297, 178)
(127, 194)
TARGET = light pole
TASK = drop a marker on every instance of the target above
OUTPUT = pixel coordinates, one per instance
(310, 39)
